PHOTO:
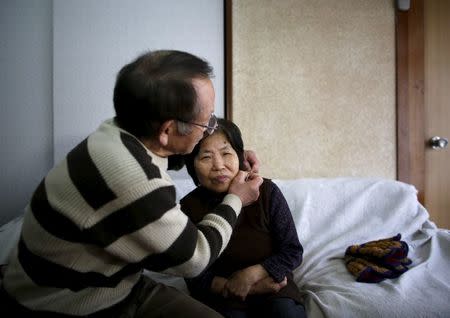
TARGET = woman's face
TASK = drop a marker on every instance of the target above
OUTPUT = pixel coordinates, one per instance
(216, 164)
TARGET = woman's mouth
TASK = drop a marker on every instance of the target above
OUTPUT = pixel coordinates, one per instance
(221, 179)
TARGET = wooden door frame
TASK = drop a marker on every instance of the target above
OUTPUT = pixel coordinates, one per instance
(409, 90)
(228, 33)
(410, 77)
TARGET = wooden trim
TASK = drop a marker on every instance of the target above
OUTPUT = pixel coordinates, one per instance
(410, 96)
(228, 27)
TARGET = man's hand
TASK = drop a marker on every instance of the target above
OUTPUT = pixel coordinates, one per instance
(247, 189)
(251, 162)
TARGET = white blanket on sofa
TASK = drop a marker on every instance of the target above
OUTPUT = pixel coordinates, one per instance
(331, 214)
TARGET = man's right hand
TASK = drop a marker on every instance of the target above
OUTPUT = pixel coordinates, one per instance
(247, 189)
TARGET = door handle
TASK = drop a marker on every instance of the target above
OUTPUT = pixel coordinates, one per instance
(437, 142)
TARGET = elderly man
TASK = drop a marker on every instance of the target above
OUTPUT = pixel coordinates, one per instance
(108, 210)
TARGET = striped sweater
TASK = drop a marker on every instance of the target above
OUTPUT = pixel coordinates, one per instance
(100, 217)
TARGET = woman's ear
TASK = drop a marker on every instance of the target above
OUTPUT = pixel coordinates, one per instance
(167, 129)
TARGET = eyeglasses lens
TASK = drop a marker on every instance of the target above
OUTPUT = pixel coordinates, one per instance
(212, 124)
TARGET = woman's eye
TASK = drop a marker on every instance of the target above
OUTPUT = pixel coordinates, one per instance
(205, 158)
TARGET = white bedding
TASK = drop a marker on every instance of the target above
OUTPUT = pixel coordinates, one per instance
(331, 214)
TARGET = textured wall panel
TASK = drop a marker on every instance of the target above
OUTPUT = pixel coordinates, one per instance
(314, 86)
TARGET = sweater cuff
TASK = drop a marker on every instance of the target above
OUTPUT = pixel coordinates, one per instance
(274, 271)
(234, 202)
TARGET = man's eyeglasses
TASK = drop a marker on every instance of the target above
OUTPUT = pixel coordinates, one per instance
(210, 128)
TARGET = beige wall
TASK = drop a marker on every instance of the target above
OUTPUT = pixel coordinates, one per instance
(314, 86)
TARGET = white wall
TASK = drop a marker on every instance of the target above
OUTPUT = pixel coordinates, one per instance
(94, 39)
(26, 128)
(59, 60)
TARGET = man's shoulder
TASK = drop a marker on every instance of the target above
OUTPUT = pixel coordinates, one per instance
(117, 152)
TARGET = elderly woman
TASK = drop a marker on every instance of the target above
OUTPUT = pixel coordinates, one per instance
(253, 276)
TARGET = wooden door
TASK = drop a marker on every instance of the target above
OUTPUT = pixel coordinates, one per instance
(437, 108)
(423, 87)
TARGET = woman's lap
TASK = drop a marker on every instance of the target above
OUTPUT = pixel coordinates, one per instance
(274, 308)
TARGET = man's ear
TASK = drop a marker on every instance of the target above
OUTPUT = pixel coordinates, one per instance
(167, 129)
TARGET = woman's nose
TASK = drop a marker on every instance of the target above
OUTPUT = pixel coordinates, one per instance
(218, 163)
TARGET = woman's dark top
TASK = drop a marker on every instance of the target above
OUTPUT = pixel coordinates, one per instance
(264, 234)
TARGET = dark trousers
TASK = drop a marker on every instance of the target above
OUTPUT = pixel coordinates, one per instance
(274, 308)
(147, 300)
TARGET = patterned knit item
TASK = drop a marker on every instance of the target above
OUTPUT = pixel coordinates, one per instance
(377, 260)
(366, 271)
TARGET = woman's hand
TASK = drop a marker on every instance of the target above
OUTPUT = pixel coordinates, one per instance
(267, 286)
(218, 285)
(239, 284)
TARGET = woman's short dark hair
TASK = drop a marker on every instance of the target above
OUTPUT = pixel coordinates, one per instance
(233, 135)
(157, 87)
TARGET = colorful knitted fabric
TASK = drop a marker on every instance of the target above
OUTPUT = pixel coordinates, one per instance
(377, 260)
